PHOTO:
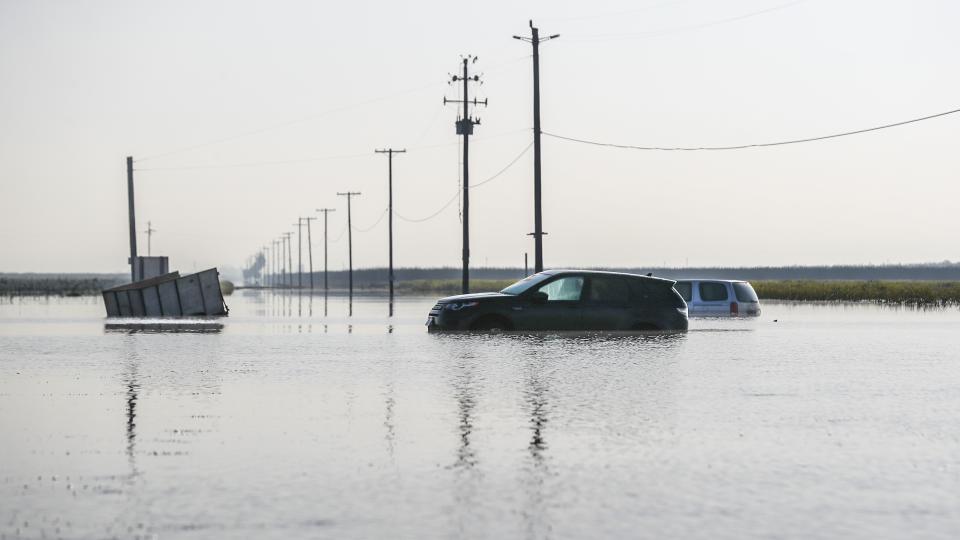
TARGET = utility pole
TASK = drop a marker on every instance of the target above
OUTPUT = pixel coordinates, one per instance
(537, 233)
(309, 248)
(289, 247)
(299, 226)
(133, 221)
(276, 263)
(390, 152)
(349, 195)
(326, 214)
(264, 269)
(150, 230)
(465, 127)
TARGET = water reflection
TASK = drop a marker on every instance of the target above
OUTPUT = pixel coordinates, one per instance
(464, 391)
(160, 327)
(133, 389)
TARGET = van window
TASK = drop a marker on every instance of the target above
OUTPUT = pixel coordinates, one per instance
(745, 292)
(711, 291)
(563, 289)
(685, 288)
(609, 290)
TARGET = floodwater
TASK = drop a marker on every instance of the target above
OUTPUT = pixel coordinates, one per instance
(835, 421)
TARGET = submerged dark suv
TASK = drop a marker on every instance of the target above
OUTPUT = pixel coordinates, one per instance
(567, 300)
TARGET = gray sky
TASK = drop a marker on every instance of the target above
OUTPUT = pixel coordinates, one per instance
(84, 84)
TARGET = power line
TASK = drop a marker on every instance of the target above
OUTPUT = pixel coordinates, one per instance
(375, 223)
(457, 195)
(314, 159)
(746, 146)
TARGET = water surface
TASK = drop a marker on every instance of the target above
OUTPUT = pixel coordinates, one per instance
(281, 422)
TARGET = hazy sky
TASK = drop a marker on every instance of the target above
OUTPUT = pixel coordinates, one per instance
(320, 85)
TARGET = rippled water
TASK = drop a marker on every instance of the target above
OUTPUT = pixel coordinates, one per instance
(835, 421)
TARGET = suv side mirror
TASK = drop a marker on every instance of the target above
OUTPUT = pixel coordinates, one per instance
(539, 297)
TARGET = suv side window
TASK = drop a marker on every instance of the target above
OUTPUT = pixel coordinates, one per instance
(685, 288)
(563, 289)
(711, 291)
(609, 290)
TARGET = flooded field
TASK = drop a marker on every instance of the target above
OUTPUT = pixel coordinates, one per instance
(813, 421)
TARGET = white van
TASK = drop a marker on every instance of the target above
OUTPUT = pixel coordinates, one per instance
(718, 298)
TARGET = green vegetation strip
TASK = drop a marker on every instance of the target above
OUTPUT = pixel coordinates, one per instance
(898, 292)
(450, 286)
(57, 286)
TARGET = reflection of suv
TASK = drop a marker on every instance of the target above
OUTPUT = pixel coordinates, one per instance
(567, 300)
(718, 297)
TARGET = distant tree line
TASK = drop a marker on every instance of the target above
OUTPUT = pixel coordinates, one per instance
(375, 278)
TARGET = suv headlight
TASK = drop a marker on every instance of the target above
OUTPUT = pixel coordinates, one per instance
(457, 306)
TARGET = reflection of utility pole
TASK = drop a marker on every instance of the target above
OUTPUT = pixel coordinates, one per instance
(150, 230)
(349, 195)
(299, 226)
(390, 152)
(465, 128)
(537, 233)
(309, 248)
(326, 213)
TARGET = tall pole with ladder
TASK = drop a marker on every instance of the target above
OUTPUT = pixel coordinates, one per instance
(131, 214)
(537, 233)
(465, 128)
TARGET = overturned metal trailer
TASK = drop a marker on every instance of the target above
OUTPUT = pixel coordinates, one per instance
(169, 295)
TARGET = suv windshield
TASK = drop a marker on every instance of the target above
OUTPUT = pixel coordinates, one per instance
(744, 292)
(525, 283)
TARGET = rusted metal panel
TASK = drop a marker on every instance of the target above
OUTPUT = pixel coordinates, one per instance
(151, 301)
(169, 299)
(136, 302)
(169, 295)
(110, 302)
(123, 303)
(210, 290)
(191, 296)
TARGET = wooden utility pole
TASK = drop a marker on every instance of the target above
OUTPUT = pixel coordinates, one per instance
(390, 152)
(465, 127)
(309, 248)
(299, 226)
(326, 213)
(288, 264)
(349, 195)
(133, 221)
(537, 233)
(150, 230)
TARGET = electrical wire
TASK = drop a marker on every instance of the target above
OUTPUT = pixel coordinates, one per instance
(456, 196)
(254, 164)
(746, 146)
(315, 159)
(375, 223)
